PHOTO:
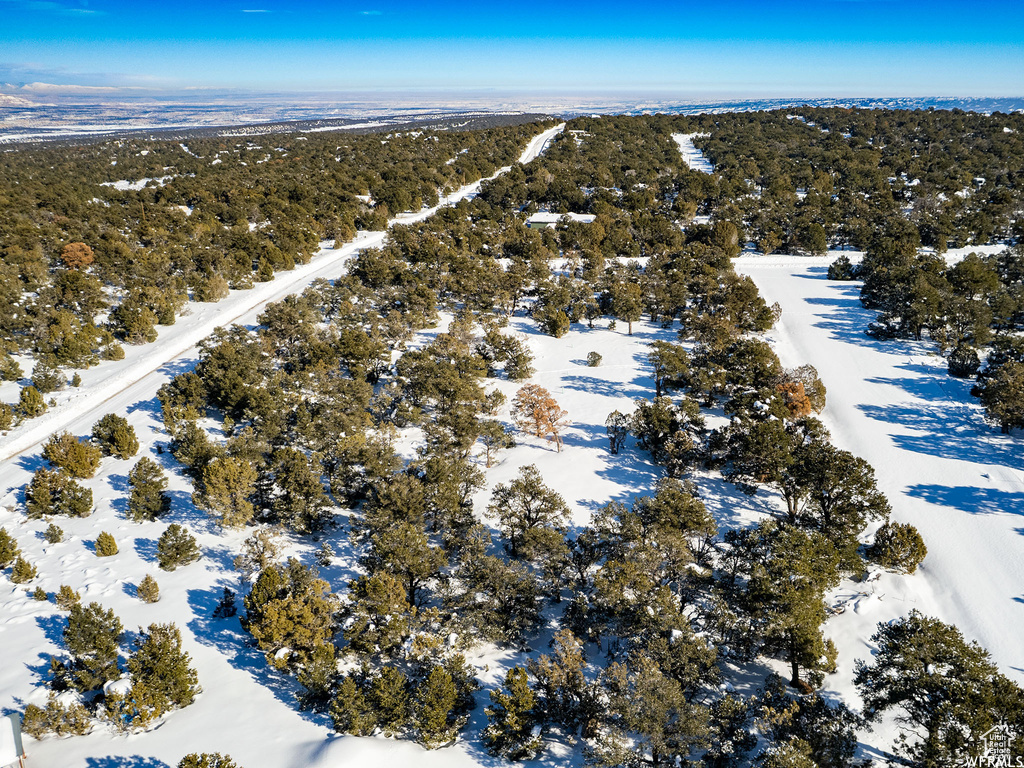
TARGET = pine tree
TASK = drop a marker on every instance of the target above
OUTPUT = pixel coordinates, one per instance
(148, 499)
(149, 590)
(161, 675)
(105, 545)
(52, 492)
(947, 690)
(176, 547)
(30, 403)
(324, 555)
(389, 697)
(9, 549)
(526, 506)
(92, 637)
(23, 571)
(259, 550)
(350, 710)
(898, 546)
(76, 457)
(225, 488)
(207, 760)
(116, 436)
(435, 701)
(54, 534)
(67, 598)
(511, 720)
(404, 550)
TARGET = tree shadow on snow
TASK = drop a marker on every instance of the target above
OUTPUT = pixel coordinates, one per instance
(974, 501)
(595, 386)
(118, 761)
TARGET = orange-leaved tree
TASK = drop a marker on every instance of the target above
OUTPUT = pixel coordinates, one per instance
(535, 411)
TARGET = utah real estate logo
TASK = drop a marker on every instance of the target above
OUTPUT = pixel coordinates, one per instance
(997, 751)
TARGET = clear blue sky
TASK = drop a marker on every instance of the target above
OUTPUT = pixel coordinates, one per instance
(792, 47)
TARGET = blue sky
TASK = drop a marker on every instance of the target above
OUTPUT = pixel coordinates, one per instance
(713, 47)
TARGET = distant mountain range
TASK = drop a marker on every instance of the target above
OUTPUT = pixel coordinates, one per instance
(40, 115)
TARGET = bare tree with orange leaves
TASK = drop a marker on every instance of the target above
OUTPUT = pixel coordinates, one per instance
(535, 412)
(77, 255)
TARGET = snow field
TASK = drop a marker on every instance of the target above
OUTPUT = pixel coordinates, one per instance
(945, 470)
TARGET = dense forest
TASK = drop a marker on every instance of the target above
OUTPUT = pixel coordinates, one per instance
(636, 621)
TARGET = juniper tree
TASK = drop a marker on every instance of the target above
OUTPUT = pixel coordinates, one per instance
(946, 690)
(77, 458)
(51, 492)
(318, 676)
(105, 545)
(302, 503)
(388, 695)
(116, 436)
(226, 483)
(350, 710)
(378, 614)
(435, 699)
(617, 427)
(207, 760)
(30, 403)
(405, 551)
(898, 546)
(259, 550)
(148, 499)
(67, 597)
(290, 607)
(176, 547)
(512, 720)
(652, 723)
(54, 534)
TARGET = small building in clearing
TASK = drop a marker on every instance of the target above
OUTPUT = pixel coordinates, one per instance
(544, 220)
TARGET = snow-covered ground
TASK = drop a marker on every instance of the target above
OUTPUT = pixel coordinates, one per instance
(944, 469)
(694, 157)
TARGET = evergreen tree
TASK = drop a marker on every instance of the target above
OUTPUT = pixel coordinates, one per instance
(67, 597)
(9, 549)
(512, 723)
(527, 510)
(318, 677)
(302, 503)
(943, 687)
(176, 547)
(652, 722)
(77, 458)
(149, 590)
(22, 571)
(52, 492)
(351, 711)
(378, 614)
(405, 551)
(617, 427)
(30, 403)
(226, 485)
(116, 436)
(161, 675)
(787, 589)
(105, 545)
(259, 550)
(290, 608)
(54, 534)
(388, 696)
(92, 637)
(148, 499)
(898, 546)
(207, 760)
(434, 709)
